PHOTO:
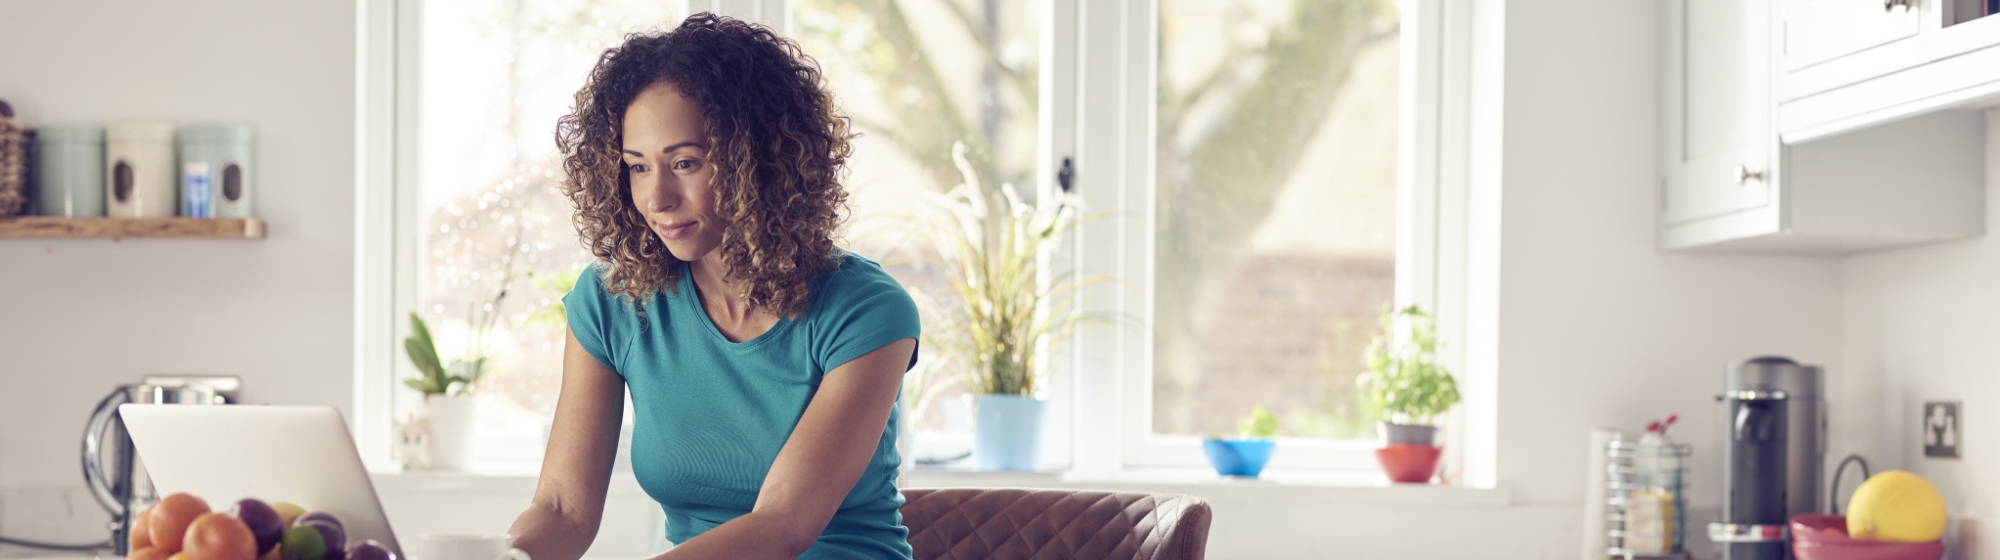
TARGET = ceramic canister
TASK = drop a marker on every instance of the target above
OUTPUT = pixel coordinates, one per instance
(139, 170)
(216, 171)
(69, 170)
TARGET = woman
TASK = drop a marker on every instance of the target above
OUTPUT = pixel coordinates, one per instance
(763, 362)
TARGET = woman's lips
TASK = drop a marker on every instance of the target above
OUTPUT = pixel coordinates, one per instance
(674, 231)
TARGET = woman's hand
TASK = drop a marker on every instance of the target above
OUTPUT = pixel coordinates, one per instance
(816, 469)
(569, 499)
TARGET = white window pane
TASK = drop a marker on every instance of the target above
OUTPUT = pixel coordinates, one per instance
(497, 247)
(1276, 207)
(917, 76)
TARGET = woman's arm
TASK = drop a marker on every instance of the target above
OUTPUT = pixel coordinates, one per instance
(569, 500)
(818, 466)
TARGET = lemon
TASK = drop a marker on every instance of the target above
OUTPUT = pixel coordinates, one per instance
(1896, 506)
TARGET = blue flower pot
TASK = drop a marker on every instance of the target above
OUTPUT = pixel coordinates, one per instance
(1239, 457)
(1007, 433)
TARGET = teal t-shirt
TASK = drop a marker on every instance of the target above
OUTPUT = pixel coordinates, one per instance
(710, 415)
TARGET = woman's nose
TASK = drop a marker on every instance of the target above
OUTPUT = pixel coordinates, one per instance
(657, 196)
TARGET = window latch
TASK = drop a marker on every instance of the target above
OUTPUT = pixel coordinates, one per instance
(1064, 175)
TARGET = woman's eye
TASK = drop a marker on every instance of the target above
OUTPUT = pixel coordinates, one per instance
(684, 165)
(636, 167)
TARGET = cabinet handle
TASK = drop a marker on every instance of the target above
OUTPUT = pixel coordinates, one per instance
(1745, 175)
(1892, 4)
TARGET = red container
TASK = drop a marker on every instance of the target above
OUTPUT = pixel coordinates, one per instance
(1824, 537)
(1408, 463)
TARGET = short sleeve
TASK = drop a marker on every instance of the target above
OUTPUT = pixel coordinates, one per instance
(865, 309)
(589, 309)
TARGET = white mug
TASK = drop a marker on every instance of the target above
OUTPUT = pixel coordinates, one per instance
(468, 547)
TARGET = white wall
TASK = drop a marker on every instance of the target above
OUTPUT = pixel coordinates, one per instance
(1922, 324)
(1597, 328)
(80, 316)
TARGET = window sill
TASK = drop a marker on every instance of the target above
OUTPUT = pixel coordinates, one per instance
(1277, 486)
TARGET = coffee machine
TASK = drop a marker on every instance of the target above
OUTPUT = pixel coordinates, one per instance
(111, 468)
(1774, 427)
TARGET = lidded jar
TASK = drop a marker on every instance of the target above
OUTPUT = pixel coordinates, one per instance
(216, 170)
(69, 170)
(139, 170)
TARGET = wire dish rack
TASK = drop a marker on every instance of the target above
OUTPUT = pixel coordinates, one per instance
(1645, 514)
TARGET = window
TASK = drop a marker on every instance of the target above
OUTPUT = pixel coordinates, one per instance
(496, 248)
(918, 77)
(1277, 171)
(1275, 210)
(1282, 171)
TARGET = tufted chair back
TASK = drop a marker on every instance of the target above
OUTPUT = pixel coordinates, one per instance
(1021, 524)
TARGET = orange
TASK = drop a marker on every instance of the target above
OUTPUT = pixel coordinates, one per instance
(139, 538)
(169, 520)
(147, 553)
(219, 536)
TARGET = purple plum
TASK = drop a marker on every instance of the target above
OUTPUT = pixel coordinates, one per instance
(264, 523)
(369, 550)
(317, 516)
(333, 534)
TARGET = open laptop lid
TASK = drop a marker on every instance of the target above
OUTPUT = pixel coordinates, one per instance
(297, 454)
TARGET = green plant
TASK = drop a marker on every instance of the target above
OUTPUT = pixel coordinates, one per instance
(435, 378)
(1405, 381)
(1006, 312)
(1260, 424)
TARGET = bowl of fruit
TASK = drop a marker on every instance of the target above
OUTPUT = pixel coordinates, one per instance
(1895, 515)
(183, 527)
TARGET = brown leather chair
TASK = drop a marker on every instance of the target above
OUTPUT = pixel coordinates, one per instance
(1012, 523)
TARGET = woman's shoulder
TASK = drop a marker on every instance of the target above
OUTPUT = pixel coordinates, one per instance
(857, 277)
(856, 283)
(590, 293)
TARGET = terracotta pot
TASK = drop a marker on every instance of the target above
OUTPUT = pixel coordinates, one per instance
(1408, 463)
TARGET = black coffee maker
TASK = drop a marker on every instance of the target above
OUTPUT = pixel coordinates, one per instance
(1773, 429)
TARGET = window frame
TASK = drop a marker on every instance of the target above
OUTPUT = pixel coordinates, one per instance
(1447, 233)
(1435, 254)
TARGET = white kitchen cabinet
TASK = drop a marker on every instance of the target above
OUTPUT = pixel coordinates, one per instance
(1820, 31)
(1719, 146)
(1730, 183)
(1851, 64)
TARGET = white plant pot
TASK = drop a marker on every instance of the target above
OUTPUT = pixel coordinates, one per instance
(454, 424)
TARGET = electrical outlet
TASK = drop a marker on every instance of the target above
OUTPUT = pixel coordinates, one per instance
(1941, 429)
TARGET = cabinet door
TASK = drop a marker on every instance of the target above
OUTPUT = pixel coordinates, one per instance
(1817, 31)
(1718, 107)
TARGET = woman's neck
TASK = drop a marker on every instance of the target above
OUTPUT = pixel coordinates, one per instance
(721, 296)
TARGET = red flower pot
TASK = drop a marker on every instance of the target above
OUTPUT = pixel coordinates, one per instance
(1409, 463)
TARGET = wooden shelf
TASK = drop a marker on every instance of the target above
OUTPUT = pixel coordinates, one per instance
(51, 226)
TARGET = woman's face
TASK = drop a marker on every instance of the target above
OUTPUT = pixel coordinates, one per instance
(666, 156)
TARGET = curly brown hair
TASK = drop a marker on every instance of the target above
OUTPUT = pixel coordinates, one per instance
(777, 141)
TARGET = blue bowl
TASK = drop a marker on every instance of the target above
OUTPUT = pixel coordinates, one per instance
(1238, 457)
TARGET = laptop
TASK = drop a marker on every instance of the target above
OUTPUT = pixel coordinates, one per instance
(297, 454)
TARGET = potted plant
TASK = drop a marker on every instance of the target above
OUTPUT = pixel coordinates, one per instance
(451, 411)
(1002, 313)
(1405, 381)
(1246, 454)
